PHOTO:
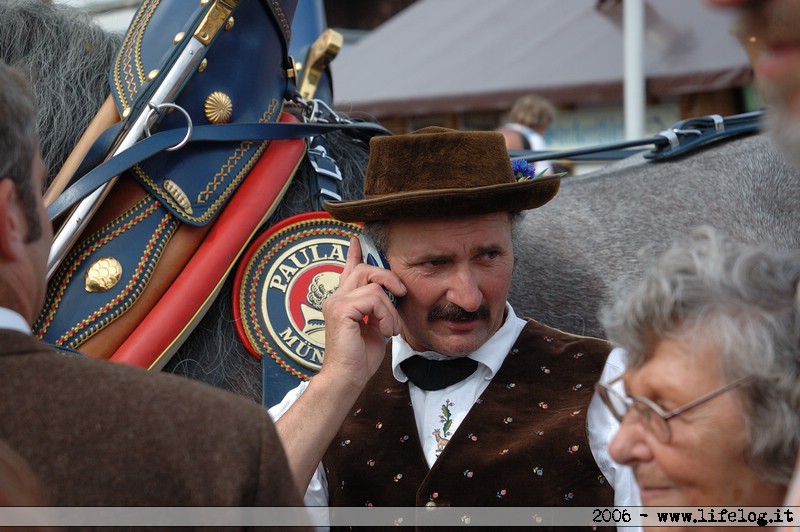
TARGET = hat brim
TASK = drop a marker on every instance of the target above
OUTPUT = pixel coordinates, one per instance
(506, 197)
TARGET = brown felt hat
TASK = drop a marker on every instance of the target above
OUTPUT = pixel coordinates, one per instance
(438, 172)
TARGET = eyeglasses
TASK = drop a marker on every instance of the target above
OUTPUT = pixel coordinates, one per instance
(648, 413)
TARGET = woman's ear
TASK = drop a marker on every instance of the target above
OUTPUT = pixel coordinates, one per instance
(13, 225)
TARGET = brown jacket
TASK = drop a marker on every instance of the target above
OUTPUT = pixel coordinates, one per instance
(102, 434)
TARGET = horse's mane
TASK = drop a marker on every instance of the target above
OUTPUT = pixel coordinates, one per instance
(68, 58)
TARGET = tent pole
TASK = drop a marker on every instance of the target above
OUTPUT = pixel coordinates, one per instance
(634, 79)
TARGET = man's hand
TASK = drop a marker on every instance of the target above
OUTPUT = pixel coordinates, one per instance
(358, 320)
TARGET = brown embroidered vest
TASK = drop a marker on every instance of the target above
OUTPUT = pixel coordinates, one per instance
(523, 443)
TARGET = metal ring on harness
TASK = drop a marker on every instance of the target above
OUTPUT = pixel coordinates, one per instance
(156, 109)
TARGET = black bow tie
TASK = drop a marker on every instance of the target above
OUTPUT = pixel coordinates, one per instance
(437, 374)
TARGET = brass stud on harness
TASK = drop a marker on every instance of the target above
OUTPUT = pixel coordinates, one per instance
(218, 107)
(203, 65)
(102, 275)
(178, 37)
(229, 24)
(178, 195)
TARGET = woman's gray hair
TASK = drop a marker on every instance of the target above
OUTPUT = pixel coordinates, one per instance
(742, 300)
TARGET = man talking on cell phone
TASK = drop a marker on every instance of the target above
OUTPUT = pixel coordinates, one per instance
(449, 398)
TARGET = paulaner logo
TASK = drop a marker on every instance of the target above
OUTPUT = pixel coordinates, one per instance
(281, 285)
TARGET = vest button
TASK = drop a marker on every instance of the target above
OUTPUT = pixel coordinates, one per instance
(430, 504)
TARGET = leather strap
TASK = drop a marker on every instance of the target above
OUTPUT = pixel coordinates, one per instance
(327, 176)
(682, 137)
(159, 142)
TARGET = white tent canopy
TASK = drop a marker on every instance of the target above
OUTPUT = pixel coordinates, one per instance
(454, 55)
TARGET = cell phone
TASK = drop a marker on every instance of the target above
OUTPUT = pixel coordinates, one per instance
(370, 255)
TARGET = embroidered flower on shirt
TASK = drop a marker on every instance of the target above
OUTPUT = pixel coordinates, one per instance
(442, 434)
(573, 449)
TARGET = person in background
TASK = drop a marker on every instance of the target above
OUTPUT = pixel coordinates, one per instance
(529, 118)
(770, 32)
(96, 433)
(709, 403)
(449, 398)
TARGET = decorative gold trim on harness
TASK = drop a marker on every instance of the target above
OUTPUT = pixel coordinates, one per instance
(218, 107)
(102, 275)
(178, 195)
(214, 20)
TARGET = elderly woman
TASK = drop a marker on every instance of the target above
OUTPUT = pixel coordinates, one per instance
(710, 402)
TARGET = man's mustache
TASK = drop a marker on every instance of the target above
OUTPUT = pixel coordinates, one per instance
(451, 312)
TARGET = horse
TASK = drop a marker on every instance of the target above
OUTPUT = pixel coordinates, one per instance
(572, 255)
(579, 251)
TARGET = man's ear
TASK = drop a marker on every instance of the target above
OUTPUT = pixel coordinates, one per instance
(13, 225)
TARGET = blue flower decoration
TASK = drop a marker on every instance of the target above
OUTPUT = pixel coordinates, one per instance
(523, 170)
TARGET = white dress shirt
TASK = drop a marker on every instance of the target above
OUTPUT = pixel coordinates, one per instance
(460, 397)
(11, 319)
